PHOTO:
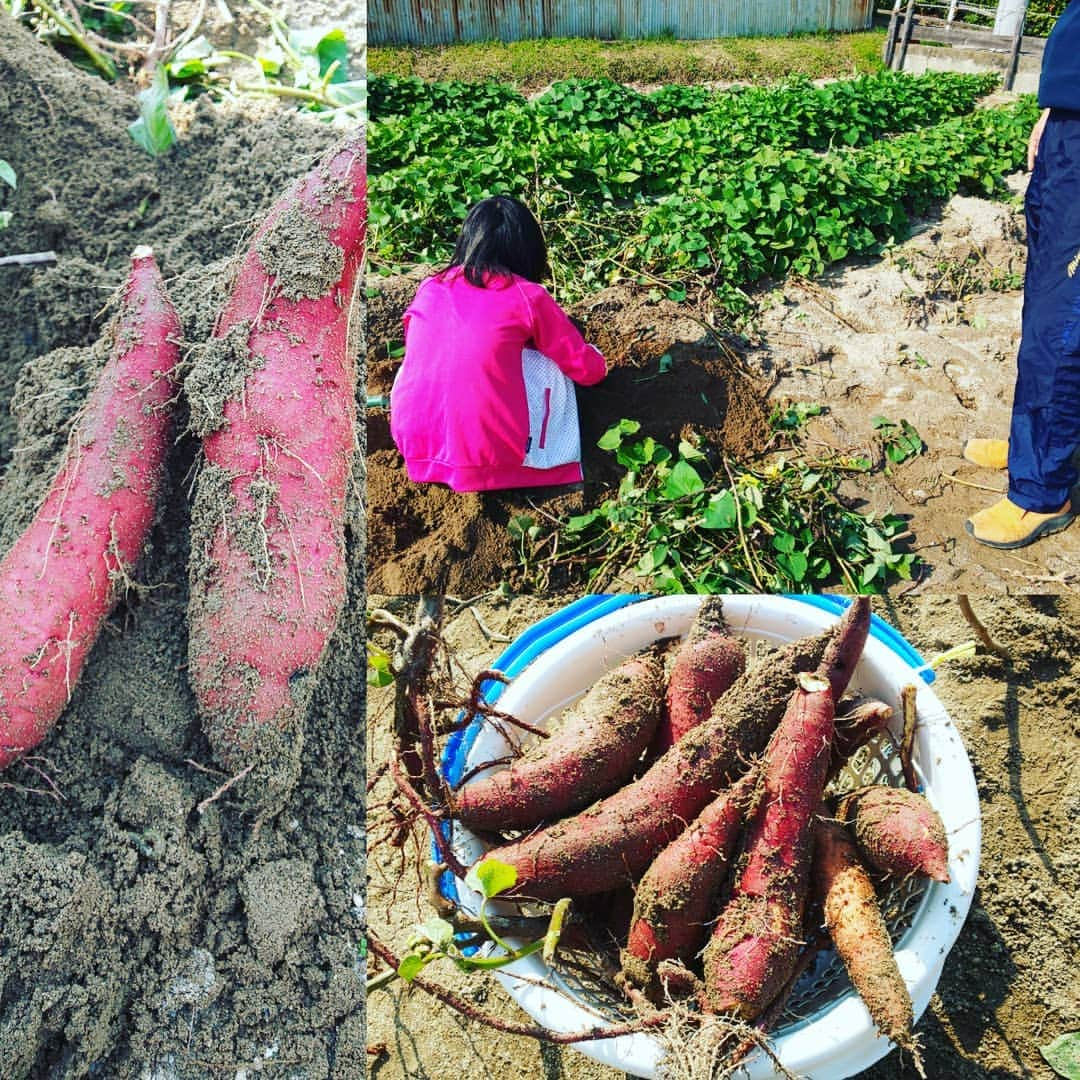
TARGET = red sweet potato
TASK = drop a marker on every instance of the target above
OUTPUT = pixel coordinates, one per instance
(679, 893)
(62, 576)
(757, 938)
(585, 758)
(708, 661)
(853, 918)
(897, 831)
(614, 841)
(274, 398)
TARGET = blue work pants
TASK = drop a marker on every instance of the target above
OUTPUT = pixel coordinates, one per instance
(1045, 431)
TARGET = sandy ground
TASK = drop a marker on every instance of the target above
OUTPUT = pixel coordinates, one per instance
(1009, 983)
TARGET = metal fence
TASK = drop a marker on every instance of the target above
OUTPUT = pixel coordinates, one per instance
(442, 22)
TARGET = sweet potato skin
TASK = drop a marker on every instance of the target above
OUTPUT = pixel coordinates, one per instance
(60, 579)
(897, 831)
(679, 893)
(757, 938)
(612, 842)
(268, 555)
(576, 766)
(858, 931)
(705, 666)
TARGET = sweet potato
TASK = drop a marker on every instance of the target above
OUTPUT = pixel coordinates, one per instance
(756, 940)
(679, 893)
(858, 931)
(613, 842)
(588, 756)
(708, 661)
(62, 576)
(274, 398)
(897, 831)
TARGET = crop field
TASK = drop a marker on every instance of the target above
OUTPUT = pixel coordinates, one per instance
(696, 207)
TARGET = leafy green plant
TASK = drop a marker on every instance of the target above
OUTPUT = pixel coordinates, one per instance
(748, 184)
(680, 523)
(379, 666)
(792, 416)
(307, 66)
(437, 939)
(900, 441)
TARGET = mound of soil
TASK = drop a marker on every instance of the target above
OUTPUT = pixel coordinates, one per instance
(667, 370)
(151, 925)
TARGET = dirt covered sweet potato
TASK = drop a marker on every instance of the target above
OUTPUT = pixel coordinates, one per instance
(588, 754)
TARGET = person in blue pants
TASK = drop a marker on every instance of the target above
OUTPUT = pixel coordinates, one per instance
(1045, 430)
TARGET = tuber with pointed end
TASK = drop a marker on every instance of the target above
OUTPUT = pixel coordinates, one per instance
(587, 756)
(708, 661)
(757, 938)
(274, 398)
(679, 894)
(897, 831)
(853, 918)
(63, 575)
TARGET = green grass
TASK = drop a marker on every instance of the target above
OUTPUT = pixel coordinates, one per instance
(530, 65)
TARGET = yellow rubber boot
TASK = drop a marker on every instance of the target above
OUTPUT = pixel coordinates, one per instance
(988, 453)
(1006, 525)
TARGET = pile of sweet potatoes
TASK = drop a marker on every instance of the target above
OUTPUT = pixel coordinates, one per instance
(704, 795)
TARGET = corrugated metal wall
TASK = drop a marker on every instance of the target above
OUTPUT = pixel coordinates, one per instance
(441, 22)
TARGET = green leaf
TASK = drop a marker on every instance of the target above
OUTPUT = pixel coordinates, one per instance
(1063, 1055)
(613, 437)
(784, 542)
(438, 931)
(7, 174)
(5, 218)
(153, 131)
(410, 967)
(491, 877)
(684, 480)
(720, 513)
(794, 565)
(333, 47)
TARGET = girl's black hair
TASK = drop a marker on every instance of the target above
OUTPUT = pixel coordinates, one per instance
(500, 236)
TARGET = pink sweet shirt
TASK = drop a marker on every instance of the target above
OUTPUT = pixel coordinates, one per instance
(458, 409)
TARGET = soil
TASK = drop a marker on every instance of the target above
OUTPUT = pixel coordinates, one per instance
(147, 927)
(927, 333)
(1008, 985)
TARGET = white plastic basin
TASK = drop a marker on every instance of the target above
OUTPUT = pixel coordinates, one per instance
(839, 1039)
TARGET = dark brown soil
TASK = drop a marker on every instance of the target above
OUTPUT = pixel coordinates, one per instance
(147, 929)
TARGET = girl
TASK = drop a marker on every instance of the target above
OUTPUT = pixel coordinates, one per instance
(485, 398)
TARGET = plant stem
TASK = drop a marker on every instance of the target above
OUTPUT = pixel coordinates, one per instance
(101, 62)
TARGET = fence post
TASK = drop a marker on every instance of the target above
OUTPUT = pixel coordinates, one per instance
(1014, 55)
(909, 20)
(890, 37)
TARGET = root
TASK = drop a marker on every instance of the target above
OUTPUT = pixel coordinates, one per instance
(532, 1031)
(980, 630)
(31, 763)
(207, 802)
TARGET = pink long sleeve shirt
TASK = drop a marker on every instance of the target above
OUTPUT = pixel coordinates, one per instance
(459, 408)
